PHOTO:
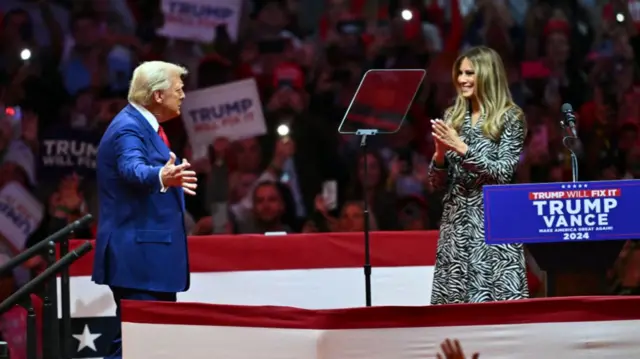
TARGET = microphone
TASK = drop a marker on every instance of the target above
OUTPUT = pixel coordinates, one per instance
(569, 119)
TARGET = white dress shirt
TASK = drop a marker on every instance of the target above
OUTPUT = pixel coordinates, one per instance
(153, 121)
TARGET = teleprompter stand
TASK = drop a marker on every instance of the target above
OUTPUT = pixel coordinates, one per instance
(365, 204)
(379, 106)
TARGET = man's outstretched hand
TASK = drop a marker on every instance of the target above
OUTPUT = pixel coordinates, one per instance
(453, 350)
(179, 176)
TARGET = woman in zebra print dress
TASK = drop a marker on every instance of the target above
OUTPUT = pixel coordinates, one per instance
(478, 143)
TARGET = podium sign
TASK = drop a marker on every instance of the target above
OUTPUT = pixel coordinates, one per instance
(562, 212)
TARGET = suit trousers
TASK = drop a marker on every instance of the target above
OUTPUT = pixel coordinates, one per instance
(119, 294)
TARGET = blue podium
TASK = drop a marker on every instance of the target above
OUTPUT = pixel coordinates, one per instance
(568, 227)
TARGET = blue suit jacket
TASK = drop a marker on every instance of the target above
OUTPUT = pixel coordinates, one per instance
(141, 241)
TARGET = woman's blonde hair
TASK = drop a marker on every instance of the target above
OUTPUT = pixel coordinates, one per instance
(491, 90)
(150, 77)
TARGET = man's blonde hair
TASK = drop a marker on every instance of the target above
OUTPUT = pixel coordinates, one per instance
(150, 77)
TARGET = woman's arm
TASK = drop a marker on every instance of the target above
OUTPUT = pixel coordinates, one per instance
(438, 176)
(501, 170)
(438, 173)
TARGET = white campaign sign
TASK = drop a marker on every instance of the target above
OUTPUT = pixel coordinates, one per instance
(196, 20)
(231, 110)
(20, 214)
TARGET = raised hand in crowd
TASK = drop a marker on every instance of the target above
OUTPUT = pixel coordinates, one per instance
(451, 349)
(321, 207)
(173, 175)
(285, 97)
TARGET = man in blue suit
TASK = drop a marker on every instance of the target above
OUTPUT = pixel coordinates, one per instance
(141, 245)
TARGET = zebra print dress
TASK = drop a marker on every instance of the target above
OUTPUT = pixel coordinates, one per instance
(468, 270)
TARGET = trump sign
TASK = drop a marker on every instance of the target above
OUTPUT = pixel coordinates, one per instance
(558, 212)
(197, 19)
(232, 110)
(20, 214)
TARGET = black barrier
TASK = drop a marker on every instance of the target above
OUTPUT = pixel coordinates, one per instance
(42, 245)
(32, 331)
(50, 324)
(22, 295)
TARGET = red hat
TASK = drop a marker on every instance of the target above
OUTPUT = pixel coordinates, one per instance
(288, 73)
(557, 25)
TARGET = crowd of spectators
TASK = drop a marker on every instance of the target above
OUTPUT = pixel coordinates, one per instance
(82, 54)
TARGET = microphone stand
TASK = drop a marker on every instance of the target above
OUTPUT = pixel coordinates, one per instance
(22, 295)
(569, 146)
(365, 202)
(574, 167)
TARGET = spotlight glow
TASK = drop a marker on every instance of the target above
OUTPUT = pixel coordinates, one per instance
(25, 54)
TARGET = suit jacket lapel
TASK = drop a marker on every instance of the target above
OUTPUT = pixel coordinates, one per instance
(155, 138)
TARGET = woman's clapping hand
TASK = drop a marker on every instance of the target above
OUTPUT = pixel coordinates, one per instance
(447, 138)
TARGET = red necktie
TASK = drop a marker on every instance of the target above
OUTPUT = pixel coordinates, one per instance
(163, 136)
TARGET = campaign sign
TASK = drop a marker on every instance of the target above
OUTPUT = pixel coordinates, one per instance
(20, 214)
(232, 110)
(65, 150)
(560, 212)
(197, 19)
